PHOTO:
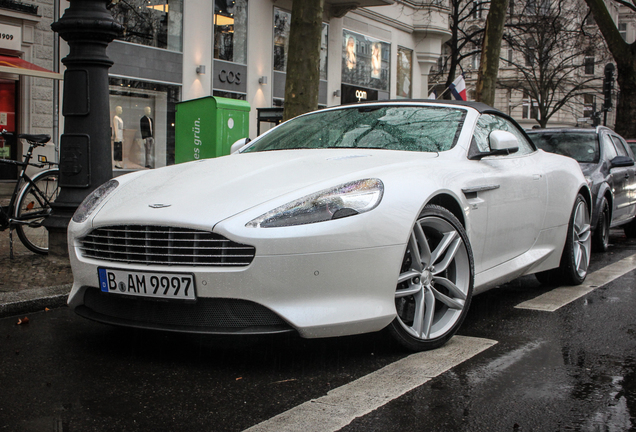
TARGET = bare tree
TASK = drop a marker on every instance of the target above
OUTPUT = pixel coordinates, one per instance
(303, 58)
(550, 55)
(624, 54)
(465, 40)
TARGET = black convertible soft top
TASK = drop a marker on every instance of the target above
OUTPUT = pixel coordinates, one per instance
(479, 106)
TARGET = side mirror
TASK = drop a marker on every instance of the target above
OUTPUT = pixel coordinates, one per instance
(239, 145)
(501, 143)
(501, 140)
(621, 161)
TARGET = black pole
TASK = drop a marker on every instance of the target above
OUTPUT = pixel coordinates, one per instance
(85, 151)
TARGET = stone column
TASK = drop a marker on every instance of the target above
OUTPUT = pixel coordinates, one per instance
(85, 151)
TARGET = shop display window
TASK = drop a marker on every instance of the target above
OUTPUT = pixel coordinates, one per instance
(142, 123)
(8, 149)
(156, 23)
(404, 73)
(230, 30)
(282, 23)
(365, 61)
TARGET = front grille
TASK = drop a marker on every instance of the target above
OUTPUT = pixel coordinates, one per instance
(206, 315)
(164, 246)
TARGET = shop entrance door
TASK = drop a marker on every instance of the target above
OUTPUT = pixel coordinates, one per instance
(8, 110)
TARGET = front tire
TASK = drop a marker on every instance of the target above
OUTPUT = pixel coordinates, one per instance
(435, 284)
(600, 241)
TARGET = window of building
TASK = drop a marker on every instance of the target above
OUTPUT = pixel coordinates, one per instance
(156, 23)
(474, 61)
(282, 23)
(230, 30)
(365, 61)
(622, 29)
(531, 7)
(588, 105)
(530, 108)
(142, 123)
(229, 95)
(477, 10)
(404, 73)
(589, 65)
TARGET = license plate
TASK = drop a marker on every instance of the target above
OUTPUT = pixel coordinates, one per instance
(146, 284)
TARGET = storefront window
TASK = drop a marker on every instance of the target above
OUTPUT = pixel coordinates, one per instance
(156, 23)
(404, 73)
(230, 30)
(142, 123)
(365, 61)
(9, 89)
(282, 22)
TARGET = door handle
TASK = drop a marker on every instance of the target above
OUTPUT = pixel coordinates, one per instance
(626, 176)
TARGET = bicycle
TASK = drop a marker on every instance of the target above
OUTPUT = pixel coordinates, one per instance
(31, 200)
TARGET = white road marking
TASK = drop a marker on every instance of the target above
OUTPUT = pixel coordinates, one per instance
(342, 405)
(559, 297)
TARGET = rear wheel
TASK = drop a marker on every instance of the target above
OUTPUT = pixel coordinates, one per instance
(33, 206)
(435, 284)
(600, 241)
(576, 252)
(630, 229)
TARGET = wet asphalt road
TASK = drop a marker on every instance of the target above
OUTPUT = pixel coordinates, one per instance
(569, 370)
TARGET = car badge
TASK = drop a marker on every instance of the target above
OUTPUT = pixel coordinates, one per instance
(159, 205)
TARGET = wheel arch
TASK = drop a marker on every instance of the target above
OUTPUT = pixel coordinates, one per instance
(451, 204)
(587, 195)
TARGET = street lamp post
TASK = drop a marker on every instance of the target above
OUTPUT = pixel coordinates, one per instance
(85, 151)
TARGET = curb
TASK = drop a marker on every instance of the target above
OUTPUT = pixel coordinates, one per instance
(33, 300)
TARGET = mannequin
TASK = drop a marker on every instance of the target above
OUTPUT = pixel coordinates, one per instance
(118, 137)
(147, 127)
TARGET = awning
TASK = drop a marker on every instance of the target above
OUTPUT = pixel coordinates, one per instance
(15, 65)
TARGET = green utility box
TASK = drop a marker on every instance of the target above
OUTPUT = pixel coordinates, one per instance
(207, 127)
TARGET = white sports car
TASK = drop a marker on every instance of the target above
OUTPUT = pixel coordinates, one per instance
(341, 221)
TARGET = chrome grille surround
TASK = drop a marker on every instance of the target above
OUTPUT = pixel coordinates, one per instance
(167, 246)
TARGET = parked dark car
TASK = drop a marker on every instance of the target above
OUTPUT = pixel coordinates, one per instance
(632, 145)
(607, 162)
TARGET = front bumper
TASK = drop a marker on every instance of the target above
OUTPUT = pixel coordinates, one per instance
(316, 294)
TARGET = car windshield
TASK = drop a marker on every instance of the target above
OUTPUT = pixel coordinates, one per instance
(581, 146)
(409, 128)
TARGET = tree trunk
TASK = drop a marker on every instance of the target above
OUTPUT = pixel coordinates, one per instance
(626, 104)
(303, 58)
(490, 50)
(625, 57)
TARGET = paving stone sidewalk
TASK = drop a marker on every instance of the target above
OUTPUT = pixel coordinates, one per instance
(30, 282)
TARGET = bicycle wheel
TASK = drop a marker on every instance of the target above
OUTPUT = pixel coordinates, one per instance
(33, 206)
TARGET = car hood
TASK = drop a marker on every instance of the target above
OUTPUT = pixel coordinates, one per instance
(205, 192)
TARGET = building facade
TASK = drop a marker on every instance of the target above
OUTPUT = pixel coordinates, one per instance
(178, 50)
(552, 52)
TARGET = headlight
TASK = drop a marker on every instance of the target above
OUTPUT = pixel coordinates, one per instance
(341, 201)
(91, 202)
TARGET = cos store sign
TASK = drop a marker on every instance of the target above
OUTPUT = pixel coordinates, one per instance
(230, 77)
(10, 37)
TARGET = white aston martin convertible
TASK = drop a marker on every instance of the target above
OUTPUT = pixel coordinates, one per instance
(342, 221)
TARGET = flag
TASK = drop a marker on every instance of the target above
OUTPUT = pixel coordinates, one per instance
(458, 88)
(432, 95)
